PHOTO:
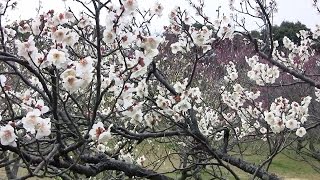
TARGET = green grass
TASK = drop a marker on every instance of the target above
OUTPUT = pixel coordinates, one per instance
(287, 165)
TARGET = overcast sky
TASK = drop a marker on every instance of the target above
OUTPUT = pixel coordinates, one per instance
(289, 10)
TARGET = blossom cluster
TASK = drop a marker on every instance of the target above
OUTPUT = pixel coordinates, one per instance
(33, 123)
(261, 73)
(292, 116)
(282, 116)
(296, 55)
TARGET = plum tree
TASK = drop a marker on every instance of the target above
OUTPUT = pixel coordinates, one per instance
(98, 94)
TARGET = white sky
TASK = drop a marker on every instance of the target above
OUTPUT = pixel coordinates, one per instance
(289, 10)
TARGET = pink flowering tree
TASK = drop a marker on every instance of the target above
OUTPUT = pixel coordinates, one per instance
(99, 94)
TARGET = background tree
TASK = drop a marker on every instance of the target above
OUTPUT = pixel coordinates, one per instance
(290, 30)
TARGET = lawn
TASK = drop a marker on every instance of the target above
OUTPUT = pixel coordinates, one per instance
(287, 165)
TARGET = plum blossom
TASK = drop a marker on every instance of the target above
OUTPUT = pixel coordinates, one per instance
(130, 5)
(232, 73)
(141, 64)
(99, 133)
(140, 161)
(3, 80)
(61, 18)
(84, 65)
(59, 35)
(71, 38)
(179, 87)
(137, 117)
(158, 9)
(202, 36)
(316, 32)
(43, 128)
(26, 48)
(57, 58)
(109, 36)
(292, 124)
(35, 26)
(96, 130)
(262, 73)
(69, 80)
(40, 105)
(126, 157)
(182, 106)
(287, 43)
(162, 102)
(31, 120)
(101, 148)
(176, 47)
(71, 83)
(84, 21)
(7, 135)
(226, 28)
(263, 130)
(301, 132)
(39, 60)
(150, 45)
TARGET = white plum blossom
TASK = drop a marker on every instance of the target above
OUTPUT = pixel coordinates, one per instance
(136, 116)
(130, 5)
(105, 136)
(33, 123)
(141, 66)
(316, 32)
(182, 106)
(202, 37)
(26, 48)
(179, 87)
(317, 93)
(225, 27)
(162, 102)
(57, 58)
(140, 161)
(35, 26)
(71, 38)
(109, 36)
(7, 135)
(209, 120)
(263, 130)
(126, 157)
(59, 35)
(84, 66)
(292, 124)
(287, 43)
(232, 73)
(301, 132)
(96, 130)
(176, 47)
(283, 115)
(101, 148)
(84, 21)
(71, 83)
(43, 128)
(262, 73)
(295, 55)
(157, 9)
(31, 120)
(39, 60)
(3, 80)
(40, 105)
(269, 117)
(99, 133)
(150, 45)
